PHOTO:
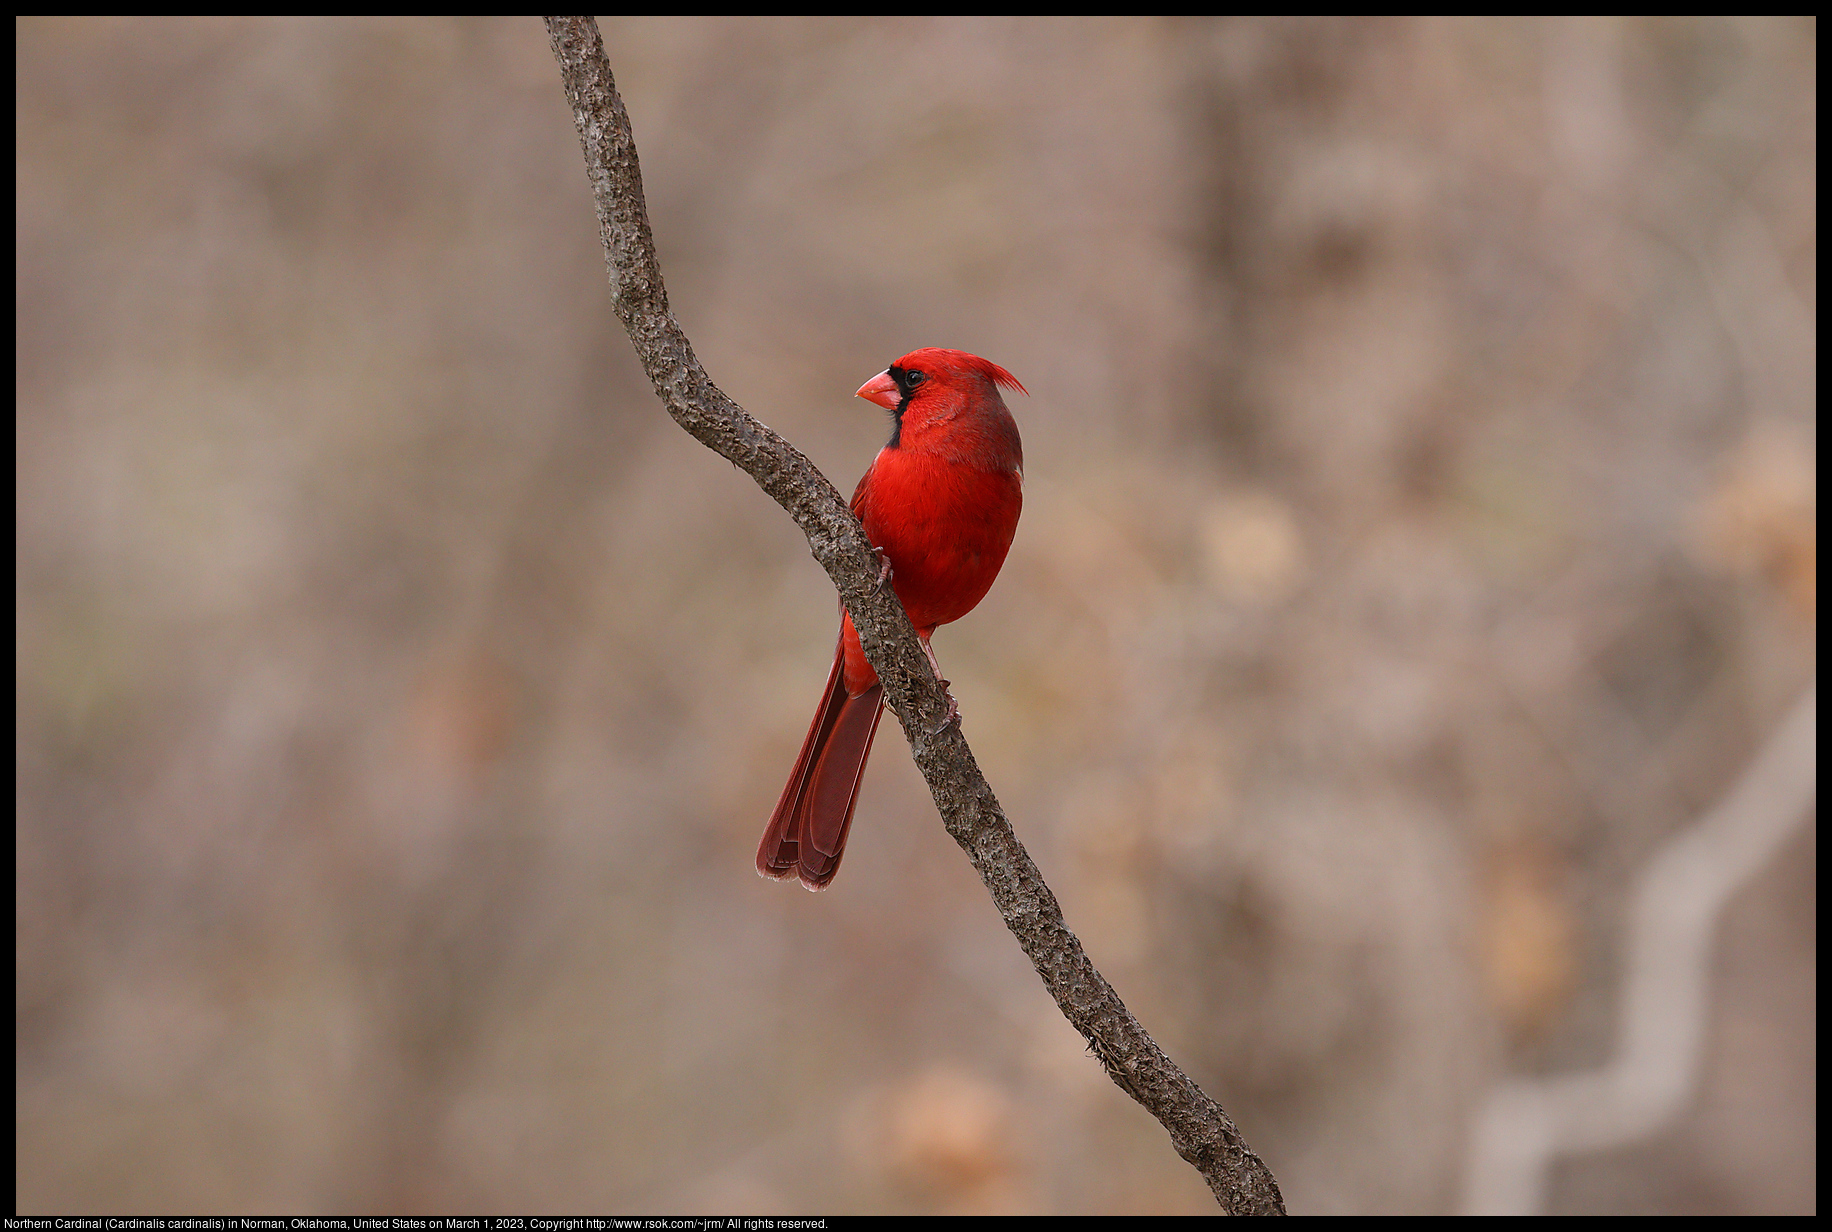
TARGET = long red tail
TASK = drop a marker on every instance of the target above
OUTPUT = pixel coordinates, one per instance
(807, 832)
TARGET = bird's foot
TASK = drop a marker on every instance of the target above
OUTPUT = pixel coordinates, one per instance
(884, 570)
(954, 711)
(953, 718)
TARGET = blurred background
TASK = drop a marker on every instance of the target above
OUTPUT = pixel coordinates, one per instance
(1419, 532)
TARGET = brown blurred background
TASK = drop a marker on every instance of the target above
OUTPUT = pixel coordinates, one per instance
(1420, 530)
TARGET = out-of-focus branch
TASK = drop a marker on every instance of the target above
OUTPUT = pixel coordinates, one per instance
(1660, 1034)
(1199, 1129)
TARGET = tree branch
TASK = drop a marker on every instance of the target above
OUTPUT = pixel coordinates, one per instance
(1199, 1129)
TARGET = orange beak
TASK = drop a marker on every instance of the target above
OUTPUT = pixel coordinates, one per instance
(882, 390)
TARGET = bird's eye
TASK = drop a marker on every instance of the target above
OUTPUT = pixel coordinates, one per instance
(914, 378)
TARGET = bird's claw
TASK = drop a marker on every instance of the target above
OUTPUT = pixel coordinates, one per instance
(953, 718)
(884, 569)
(954, 712)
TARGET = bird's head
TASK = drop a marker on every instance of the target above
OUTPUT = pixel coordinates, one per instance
(932, 388)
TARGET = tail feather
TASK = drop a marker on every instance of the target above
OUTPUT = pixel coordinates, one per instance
(807, 833)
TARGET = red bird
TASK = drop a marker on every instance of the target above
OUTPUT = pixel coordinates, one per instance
(940, 503)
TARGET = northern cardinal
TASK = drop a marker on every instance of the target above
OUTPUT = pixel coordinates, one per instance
(940, 503)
